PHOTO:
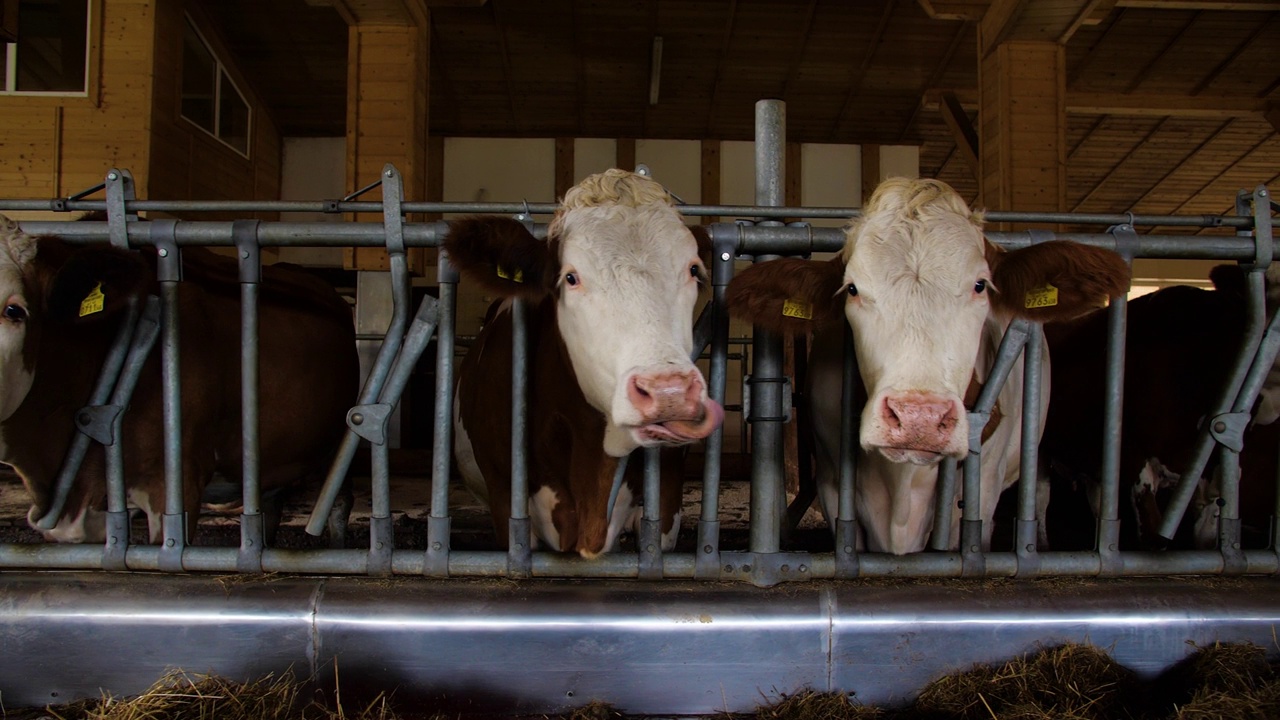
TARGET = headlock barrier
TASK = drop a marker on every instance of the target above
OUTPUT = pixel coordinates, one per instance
(573, 630)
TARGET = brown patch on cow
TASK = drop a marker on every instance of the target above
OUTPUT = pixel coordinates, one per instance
(121, 273)
(487, 248)
(760, 292)
(1085, 278)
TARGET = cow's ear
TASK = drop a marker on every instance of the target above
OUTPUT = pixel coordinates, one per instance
(703, 238)
(789, 295)
(502, 255)
(93, 283)
(1055, 281)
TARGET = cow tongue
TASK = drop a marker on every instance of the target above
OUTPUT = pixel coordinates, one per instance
(712, 416)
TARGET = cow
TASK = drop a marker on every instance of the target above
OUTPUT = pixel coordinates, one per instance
(1180, 347)
(610, 294)
(928, 299)
(62, 306)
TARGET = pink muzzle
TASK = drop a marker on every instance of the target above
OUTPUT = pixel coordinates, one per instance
(673, 406)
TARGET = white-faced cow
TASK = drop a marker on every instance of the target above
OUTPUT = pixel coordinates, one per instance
(928, 300)
(611, 293)
(52, 346)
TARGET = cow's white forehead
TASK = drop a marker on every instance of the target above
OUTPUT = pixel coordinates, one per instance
(618, 240)
(915, 230)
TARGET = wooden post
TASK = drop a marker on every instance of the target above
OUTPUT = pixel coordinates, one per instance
(564, 166)
(387, 91)
(1022, 126)
(710, 177)
(870, 171)
(626, 153)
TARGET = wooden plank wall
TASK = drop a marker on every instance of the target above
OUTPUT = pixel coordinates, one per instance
(187, 162)
(53, 146)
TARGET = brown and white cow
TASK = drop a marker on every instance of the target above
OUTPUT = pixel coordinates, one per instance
(611, 294)
(928, 299)
(1181, 344)
(51, 349)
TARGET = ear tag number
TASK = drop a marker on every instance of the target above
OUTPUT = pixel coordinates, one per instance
(518, 276)
(1042, 297)
(93, 301)
(797, 309)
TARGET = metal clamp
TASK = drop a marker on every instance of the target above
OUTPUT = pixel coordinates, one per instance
(120, 190)
(519, 552)
(245, 235)
(847, 563)
(748, 381)
(252, 543)
(98, 422)
(370, 421)
(1126, 240)
(1263, 248)
(1228, 429)
(62, 204)
(392, 216)
(168, 256)
(436, 559)
(706, 561)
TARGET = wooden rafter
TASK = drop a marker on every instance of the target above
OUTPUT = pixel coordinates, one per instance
(855, 82)
(935, 77)
(1185, 159)
(1097, 124)
(443, 82)
(966, 138)
(1220, 175)
(724, 52)
(1091, 54)
(1145, 72)
(506, 58)
(581, 80)
(1144, 104)
(1120, 163)
(1041, 20)
(801, 43)
(1221, 67)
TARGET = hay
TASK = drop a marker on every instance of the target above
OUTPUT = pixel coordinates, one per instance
(812, 705)
(1227, 681)
(1071, 682)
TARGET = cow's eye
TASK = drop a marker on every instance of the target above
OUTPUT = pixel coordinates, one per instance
(852, 290)
(571, 279)
(693, 272)
(16, 313)
(980, 286)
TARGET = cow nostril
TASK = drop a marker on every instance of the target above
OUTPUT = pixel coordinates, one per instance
(890, 415)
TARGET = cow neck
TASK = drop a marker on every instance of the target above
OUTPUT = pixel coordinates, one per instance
(589, 470)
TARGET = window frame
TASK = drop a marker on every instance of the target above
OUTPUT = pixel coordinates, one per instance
(91, 29)
(221, 69)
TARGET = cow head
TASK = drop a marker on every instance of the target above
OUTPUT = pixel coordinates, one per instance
(624, 272)
(917, 282)
(50, 287)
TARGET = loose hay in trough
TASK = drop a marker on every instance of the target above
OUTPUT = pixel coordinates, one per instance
(1071, 682)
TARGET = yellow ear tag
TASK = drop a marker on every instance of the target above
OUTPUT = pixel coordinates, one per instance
(797, 309)
(517, 277)
(93, 301)
(1042, 297)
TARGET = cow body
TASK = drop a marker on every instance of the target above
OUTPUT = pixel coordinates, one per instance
(611, 294)
(928, 300)
(308, 375)
(1180, 346)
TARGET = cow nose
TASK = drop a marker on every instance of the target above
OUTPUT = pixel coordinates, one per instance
(668, 395)
(925, 414)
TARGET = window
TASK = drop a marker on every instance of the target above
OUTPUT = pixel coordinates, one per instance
(210, 98)
(52, 51)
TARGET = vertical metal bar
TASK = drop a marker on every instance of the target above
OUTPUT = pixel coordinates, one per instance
(1229, 513)
(650, 540)
(169, 270)
(940, 539)
(519, 558)
(1113, 417)
(1028, 526)
(252, 532)
(707, 563)
(768, 500)
(436, 561)
(971, 518)
(847, 514)
(1254, 322)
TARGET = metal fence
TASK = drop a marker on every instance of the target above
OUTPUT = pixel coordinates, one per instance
(764, 562)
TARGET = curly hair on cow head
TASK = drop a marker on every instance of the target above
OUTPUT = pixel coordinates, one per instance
(611, 187)
(912, 200)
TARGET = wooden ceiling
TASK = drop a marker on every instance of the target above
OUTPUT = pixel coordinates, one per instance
(1173, 105)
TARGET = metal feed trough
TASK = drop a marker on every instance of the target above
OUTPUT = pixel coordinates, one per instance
(571, 630)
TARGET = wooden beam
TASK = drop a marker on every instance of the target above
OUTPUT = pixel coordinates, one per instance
(966, 10)
(1142, 74)
(730, 16)
(1231, 58)
(1222, 5)
(1120, 163)
(957, 120)
(871, 171)
(1272, 115)
(1130, 105)
(1036, 20)
(1137, 204)
(564, 166)
(710, 177)
(855, 81)
(943, 65)
(506, 59)
(802, 42)
(625, 153)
